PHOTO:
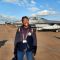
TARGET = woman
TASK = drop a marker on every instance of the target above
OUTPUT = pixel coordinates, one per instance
(25, 41)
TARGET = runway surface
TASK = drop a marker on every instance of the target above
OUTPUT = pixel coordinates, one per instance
(48, 44)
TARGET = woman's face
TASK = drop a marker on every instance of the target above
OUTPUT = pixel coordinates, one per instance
(25, 22)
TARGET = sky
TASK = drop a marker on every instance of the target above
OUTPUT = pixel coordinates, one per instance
(48, 9)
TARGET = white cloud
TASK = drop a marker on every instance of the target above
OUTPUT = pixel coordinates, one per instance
(10, 1)
(24, 3)
(33, 2)
(33, 15)
(45, 12)
(33, 9)
(29, 4)
(6, 16)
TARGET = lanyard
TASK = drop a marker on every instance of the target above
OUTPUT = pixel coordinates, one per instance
(24, 37)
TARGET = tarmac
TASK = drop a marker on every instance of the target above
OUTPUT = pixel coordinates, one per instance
(48, 44)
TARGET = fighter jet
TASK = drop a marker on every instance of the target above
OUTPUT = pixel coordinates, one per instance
(53, 27)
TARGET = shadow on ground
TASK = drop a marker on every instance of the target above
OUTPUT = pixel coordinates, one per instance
(2, 43)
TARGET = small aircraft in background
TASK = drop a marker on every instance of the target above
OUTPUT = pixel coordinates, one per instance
(54, 27)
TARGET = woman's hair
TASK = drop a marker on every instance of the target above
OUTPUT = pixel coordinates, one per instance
(24, 18)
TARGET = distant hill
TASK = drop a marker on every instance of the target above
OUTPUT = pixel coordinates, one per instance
(4, 19)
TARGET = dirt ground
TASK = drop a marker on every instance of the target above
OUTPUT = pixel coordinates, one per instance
(48, 44)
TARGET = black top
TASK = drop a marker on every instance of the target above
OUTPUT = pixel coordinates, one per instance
(31, 40)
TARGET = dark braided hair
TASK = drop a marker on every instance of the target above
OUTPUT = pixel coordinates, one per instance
(24, 18)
